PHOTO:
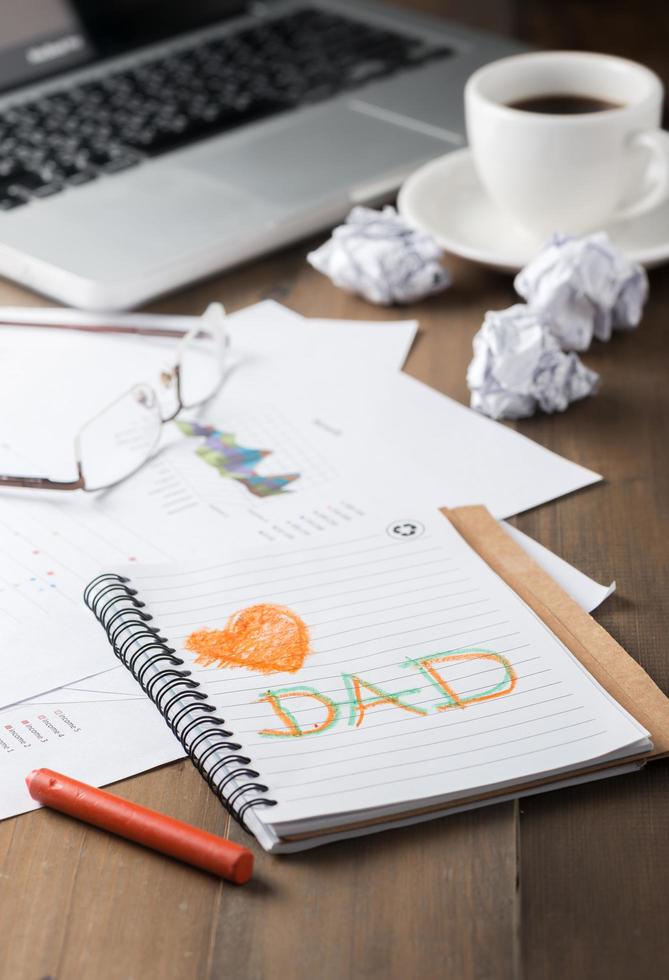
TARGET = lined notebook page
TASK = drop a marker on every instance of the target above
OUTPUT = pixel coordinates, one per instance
(423, 676)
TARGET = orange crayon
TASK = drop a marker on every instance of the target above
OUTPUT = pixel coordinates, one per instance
(155, 830)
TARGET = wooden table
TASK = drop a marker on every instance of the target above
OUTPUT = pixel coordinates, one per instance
(566, 885)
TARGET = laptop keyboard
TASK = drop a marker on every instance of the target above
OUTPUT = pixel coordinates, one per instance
(73, 136)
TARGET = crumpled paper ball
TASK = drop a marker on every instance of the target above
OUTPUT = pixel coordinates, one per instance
(585, 287)
(518, 366)
(377, 255)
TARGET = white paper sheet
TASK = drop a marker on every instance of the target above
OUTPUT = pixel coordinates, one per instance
(58, 379)
(420, 439)
(386, 342)
(356, 440)
(55, 645)
(94, 741)
(391, 339)
(588, 593)
(52, 545)
(347, 434)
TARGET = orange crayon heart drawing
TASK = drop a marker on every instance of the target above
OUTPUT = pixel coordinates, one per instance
(266, 638)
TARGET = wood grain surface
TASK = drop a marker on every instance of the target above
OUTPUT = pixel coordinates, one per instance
(566, 885)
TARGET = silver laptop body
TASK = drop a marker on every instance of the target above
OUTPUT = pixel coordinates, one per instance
(138, 231)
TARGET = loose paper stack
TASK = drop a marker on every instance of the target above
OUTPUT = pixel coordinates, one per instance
(326, 403)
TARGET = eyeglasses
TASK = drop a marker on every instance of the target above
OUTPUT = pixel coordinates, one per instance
(122, 437)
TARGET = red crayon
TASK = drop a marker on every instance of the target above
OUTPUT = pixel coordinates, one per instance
(137, 823)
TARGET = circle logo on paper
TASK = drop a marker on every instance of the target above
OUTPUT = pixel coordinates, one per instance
(405, 529)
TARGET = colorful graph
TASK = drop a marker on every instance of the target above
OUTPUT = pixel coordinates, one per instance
(222, 451)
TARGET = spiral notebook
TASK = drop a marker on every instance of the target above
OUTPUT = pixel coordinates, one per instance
(413, 665)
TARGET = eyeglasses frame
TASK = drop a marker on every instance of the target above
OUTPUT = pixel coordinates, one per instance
(214, 315)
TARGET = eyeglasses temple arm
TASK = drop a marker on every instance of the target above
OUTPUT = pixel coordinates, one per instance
(102, 328)
(41, 483)
(174, 332)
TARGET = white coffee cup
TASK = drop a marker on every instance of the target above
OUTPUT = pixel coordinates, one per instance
(576, 172)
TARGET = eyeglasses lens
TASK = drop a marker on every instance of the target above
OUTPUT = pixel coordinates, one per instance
(120, 438)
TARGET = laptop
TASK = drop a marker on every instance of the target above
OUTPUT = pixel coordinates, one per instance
(145, 144)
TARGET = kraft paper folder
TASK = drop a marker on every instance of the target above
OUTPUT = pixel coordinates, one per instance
(602, 656)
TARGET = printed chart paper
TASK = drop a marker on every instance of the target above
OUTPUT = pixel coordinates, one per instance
(98, 742)
(53, 644)
(281, 455)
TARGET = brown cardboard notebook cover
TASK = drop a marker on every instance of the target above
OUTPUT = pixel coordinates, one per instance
(606, 660)
(599, 653)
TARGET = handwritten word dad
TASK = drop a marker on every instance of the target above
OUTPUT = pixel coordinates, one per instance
(363, 696)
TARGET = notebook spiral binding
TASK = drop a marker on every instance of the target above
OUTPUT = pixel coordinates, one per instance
(177, 696)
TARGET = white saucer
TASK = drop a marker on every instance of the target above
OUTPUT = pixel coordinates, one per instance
(446, 199)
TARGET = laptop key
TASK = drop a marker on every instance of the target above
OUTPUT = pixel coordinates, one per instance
(365, 70)
(8, 168)
(48, 190)
(78, 177)
(120, 162)
(25, 184)
(10, 202)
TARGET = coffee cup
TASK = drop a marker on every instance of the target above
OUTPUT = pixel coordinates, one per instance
(568, 141)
